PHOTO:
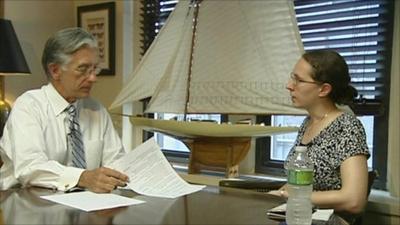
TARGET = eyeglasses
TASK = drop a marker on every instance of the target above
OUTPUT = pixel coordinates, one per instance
(86, 70)
(297, 80)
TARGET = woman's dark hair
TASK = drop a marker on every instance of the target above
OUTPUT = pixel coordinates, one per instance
(330, 67)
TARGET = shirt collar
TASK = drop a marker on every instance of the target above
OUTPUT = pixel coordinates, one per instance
(57, 102)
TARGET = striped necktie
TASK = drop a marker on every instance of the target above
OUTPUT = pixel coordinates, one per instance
(75, 143)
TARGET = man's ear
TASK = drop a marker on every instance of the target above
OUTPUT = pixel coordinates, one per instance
(324, 90)
(55, 71)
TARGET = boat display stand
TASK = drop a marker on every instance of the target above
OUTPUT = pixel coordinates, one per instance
(217, 153)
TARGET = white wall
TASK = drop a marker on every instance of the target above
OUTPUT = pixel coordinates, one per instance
(34, 22)
(107, 87)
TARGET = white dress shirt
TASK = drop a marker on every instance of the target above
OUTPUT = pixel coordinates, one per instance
(34, 143)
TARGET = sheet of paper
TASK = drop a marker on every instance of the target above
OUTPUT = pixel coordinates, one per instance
(151, 174)
(89, 201)
(279, 208)
(280, 211)
(322, 214)
(277, 213)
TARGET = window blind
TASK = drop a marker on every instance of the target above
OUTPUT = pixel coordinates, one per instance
(359, 30)
(154, 14)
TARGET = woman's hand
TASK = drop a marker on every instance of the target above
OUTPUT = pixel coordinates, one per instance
(281, 192)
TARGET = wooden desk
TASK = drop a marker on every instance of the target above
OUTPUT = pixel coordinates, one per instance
(212, 205)
(209, 206)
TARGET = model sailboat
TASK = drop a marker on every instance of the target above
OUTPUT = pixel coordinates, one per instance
(230, 57)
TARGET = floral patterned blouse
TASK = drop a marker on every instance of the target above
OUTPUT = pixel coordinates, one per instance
(343, 138)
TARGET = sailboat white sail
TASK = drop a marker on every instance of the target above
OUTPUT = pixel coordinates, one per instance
(231, 57)
(242, 55)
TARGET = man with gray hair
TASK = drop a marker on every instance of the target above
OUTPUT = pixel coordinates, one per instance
(57, 136)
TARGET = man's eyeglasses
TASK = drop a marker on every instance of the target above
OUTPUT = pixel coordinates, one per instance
(86, 70)
(297, 80)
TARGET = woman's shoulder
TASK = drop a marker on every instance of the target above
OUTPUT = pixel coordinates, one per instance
(348, 123)
(347, 118)
(345, 123)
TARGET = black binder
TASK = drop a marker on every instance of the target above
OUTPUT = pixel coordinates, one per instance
(261, 185)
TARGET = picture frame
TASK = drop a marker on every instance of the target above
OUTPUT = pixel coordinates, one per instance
(99, 20)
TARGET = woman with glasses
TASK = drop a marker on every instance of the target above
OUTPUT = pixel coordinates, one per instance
(335, 140)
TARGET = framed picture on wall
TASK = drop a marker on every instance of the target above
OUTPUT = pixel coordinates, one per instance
(99, 20)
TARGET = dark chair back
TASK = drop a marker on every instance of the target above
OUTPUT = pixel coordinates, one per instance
(372, 175)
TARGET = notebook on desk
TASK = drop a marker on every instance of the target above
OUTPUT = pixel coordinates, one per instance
(279, 213)
(261, 185)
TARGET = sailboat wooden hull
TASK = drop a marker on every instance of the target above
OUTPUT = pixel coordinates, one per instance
(212, 146)
(195, 129)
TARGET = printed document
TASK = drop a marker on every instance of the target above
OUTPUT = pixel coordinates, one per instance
(89, 201)
(151, 174)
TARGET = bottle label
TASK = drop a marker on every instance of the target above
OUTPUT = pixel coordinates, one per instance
(300, 177)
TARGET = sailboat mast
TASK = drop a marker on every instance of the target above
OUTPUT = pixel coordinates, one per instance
(196, 4)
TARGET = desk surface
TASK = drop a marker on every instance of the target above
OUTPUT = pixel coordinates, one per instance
(212, 205)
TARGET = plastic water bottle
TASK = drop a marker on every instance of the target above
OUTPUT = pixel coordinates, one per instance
(299, 186)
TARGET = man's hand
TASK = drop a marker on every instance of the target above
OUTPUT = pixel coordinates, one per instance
(102, 180)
